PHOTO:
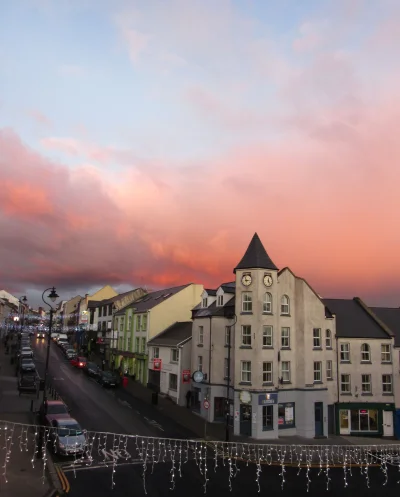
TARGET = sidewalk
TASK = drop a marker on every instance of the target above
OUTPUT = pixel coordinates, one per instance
(23, 479)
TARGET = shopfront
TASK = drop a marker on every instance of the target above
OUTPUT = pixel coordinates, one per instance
(373, 419)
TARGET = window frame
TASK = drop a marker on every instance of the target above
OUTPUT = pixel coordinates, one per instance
(247, 305)
(245, 372)
(174, 352)
(367, 352)
(267, 303)
(220, 300)
(384, 361)
(204, 302)
(363, 383)
(329, 370)
(286, 424)
(328, 338)
(247, 336)
(345, 391)
(266, 373)
(156, 353)
(201, 335)
(285, 337)
(266, 336)
(174, 388)
(318, 371)
(285, 303)
(287, 371)
(344, 353)
(317, 338)
(387, 392)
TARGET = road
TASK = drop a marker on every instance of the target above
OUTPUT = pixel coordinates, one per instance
(121, 457)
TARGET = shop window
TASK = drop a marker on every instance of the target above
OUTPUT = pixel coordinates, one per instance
(286, 415)
(267, 418)
(364, 420)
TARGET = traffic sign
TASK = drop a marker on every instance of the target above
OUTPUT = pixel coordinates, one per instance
(206, 404)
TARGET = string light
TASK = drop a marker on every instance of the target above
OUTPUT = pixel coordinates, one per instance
(128, 449)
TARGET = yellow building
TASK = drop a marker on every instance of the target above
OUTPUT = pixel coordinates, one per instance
(137, 323)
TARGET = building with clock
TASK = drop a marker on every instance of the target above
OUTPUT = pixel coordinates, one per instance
(290, 362)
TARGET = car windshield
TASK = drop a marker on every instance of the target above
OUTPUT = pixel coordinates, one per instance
(26, 360)
(71, 430)
(82, 359)
(57, 409)
(92, 365)
(108, 374)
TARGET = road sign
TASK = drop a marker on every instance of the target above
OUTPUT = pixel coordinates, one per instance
(206, 404)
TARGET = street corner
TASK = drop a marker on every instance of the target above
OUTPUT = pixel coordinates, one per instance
(62, 481)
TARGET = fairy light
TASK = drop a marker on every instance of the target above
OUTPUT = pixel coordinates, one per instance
(180, 459)
(115, 448)
(172, 470)
(205, 468)
(44, 450)
(384, 466)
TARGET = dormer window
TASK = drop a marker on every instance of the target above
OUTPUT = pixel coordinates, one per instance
(205, 302)
(220, 300)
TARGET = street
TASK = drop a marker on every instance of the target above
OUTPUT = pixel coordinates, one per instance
(118, 454)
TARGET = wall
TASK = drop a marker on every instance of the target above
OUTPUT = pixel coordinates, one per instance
(70, 308)
(396, 368)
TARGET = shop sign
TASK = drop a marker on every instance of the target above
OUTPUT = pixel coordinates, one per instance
(186, 376)
(267, 399)
(157, 364)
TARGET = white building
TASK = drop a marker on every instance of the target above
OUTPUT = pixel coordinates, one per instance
(170, 360)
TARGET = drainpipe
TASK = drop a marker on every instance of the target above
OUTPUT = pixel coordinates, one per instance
(209, 368)
(336, 417)
(178, 391)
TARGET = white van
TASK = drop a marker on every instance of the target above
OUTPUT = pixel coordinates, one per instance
(63, 337)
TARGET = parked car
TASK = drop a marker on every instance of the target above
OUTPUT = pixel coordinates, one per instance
(52, 409)
(54, 336)
(79, 362)
(62, 336)
(26, 365)
(68, 437)
(108, 379)
(92, 369)
(25, 352)
(27, 383)
(63, 344)
(70, 354)
(40, 334)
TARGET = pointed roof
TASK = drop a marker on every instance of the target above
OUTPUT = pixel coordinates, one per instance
(256, 256)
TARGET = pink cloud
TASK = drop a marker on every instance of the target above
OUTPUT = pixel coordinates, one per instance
(40, 118)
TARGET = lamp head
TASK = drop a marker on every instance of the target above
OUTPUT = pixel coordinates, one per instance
(53, 295)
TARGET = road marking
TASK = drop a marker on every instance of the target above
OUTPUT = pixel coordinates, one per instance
(154, 423)
(58, 379)
(63, 479)
(124, 403)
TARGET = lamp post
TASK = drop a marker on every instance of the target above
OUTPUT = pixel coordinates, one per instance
(228, 379)
(22, 303)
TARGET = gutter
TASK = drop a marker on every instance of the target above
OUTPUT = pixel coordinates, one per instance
(209, 355)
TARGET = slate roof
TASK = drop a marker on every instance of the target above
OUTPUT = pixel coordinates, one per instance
(213, 310)
(112, 299)
(92, 304)
(353, 320)
(152, 299)
(174, 335)
(255, 256)
(211, 292)
(229, 287)
(391, 317)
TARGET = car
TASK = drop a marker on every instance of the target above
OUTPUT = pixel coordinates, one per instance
(68, 438)
(92, 369)
(25, 352)
(63, 343)
(54, 336)
(108, 379)
(40, 334)
(78, 362)
(51, 409)
(27, 383)
(70, 354)
(26, 365)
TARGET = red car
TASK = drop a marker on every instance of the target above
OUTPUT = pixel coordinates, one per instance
(79, 362)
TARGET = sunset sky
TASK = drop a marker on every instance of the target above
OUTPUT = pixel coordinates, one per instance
(144, 142)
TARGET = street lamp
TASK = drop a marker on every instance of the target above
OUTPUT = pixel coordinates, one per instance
(229, 315)
(22, 303)
(53, 297)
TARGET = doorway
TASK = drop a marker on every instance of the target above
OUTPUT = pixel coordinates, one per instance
(245, 420)
(319, 419)
(388, 424)
(344, 422)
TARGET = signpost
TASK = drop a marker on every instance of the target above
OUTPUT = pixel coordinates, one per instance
(206, 405)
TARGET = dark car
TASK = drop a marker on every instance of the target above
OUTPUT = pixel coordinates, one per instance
(108, 379)
(51, 409)
(92, 369)
(27, 383)
(26, 365)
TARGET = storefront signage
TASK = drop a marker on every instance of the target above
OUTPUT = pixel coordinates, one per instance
(267, 399)
(186, 376)
(157, 364)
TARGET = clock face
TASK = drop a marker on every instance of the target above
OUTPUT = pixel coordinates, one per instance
(198, 376)
(268, 280)
(246, 279)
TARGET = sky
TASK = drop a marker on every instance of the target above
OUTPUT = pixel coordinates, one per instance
(143, 142)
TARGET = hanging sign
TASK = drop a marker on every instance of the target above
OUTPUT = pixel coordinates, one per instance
(157, 364)
(186, 376)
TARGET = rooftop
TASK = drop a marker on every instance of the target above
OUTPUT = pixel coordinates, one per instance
(353, 320)
(174, 335)
(391, 317)
(97, 303)
(213, 310)
(255, 257)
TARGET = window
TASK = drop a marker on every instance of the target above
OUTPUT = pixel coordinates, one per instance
(100, 315)
(267, 336)
(227, 335)
(205, 302)
(386, 355)
(173, 381)
(200, 363)
(328, 339)
(144, 322)
(387, 383)
(128, 343)
(366, 383)
(246, 336)
(364, 420)
(247, 302)
(220, 300)
(137, 345)
(285, 371)
(129, 323)
(226, 368)
(267, 304)
(285, 305)
(110, 309)
(156, 353)
(174, 355)
(201, 335)
(345, 385)
(143, 345)
(285, 338)
(267, 372)
(286, 415)
(317, 372)
(317, 344)
(267, 418)
(121, 324)
(138, 322)
(329, 370)
(245, 372)
(365, 353)
(344, 352)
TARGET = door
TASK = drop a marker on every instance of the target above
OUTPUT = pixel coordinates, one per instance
(388, 424)
(344, 422)
(245, 420)
(319, 420)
